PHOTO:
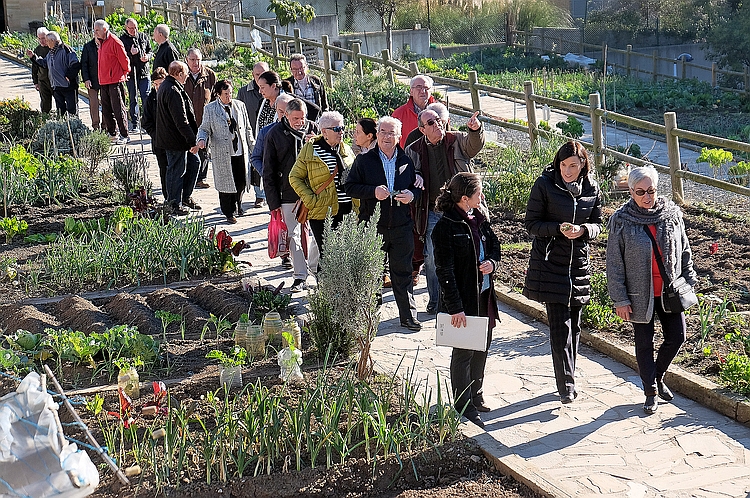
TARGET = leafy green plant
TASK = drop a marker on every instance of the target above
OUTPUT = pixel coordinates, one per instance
(371, 95)
(236, 357)
(735, 373)
(265, 301)
(123, 364)
(124, 341)
(221, 325)
(12, 227)
(40, 238)
(571, 127)
(55, 136)
(167, 317)
(131, 174)
(9, 360)
(289, 11)
(740, 173)
(598, 313)
(711, 313)
(716, 158)
(94, 147)
(18, 121)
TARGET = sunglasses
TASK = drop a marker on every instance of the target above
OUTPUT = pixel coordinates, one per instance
(640, 192)
(337, 129)
(431, 122)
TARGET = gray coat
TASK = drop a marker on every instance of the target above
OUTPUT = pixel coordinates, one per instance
(215, 129)
(629, 258)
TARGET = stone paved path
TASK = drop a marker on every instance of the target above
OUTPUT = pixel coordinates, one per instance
(601, 445)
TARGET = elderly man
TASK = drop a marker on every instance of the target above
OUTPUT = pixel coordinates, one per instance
(138, 47)
(199, 86)
(90, 75)
(166, 53)
(437, 157)
(176, 132)
(62, 67)
(419, 96)
(385, 175)
(251, 97)
(445, 118)
(256, 159)
(39, 74)
(307, 86)
(114, 67)
(282, 145)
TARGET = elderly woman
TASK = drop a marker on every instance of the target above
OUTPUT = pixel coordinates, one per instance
(563, 214)
(635, 282)
(226, 126)
(364, 135)
(270, 86)
(467, 252)
(320, 172)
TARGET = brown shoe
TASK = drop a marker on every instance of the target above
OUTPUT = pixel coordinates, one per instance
(202, 184)
(386, 281)
(231, 220)
(415, 277)
(259, 203)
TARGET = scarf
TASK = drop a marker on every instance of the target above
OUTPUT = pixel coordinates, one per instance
(575, 187)
(299, 135)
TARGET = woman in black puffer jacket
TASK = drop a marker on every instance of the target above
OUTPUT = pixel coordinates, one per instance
(467, 253)
(563, 214)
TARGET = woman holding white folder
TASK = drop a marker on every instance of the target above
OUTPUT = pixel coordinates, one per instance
(467, 253)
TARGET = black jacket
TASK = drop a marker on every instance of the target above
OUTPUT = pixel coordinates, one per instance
(367, 174)
(279, 155)
(559, 267)
(138, 68)
(39, 73)
(165, 55)
(319, 91)
(176, 128)
(148, 121)
(90, 63)
(456, 263)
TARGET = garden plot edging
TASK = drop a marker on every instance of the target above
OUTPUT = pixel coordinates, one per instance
(704, 391)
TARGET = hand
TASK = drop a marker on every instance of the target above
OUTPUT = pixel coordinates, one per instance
(419, 182)
(87, 84)
(571, 231)
(144, 58)
(201, 144)
(29, 53)
(194, 149)
(458, 320)
(405, 197)
(486, 267)
(474, 123)
(133, 50)
(624, 312)
(37, 87)
(309, 137)
(381, 193)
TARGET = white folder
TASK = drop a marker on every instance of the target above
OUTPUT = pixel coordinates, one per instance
(473, 336)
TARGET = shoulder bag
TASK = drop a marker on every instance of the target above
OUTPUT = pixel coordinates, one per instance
(678, 295)
(300, 210)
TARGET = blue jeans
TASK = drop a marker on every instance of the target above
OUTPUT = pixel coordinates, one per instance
(182, 171)
(144, 85)
(433, 286)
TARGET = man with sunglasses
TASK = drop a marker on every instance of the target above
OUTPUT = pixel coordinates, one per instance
(437, 157)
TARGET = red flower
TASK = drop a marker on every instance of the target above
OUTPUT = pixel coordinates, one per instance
(223, 241)
(713, 248)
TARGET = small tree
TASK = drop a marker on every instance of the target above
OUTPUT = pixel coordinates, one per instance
(289, 11)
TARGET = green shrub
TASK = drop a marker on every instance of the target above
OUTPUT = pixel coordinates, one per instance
(54, 137)
(370, 96)
(327, 336)
(94, 147)
(130, 173)
(146, 23)
(598, 313)
(735, 373)
(571, 127)
(18, 121)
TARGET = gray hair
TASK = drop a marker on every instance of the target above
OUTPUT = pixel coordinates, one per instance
(441, 111)
(284, 98)
(296, 105)
(330, 118)
(298, 57)
(130, 19)
(54, 35)
(389, 120)
(163, 29)
(195, 51)
(101, 23)
(427, 80)
(641, 172)
(42, 31)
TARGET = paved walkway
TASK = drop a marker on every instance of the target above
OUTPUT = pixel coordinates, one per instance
(601, 445)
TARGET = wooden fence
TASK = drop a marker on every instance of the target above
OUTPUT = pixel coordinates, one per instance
(668, 132)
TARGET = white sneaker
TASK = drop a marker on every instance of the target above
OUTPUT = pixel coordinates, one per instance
(298, 285)
(123, 140)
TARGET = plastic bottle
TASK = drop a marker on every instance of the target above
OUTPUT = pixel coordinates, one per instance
(272, 326)
(128, 381)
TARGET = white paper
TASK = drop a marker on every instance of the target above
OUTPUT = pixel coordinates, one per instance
(473, 336)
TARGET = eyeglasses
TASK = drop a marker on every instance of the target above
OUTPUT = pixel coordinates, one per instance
(431, 122)
(422, 88)
(337, 129)
(388, 133)
(640, 192)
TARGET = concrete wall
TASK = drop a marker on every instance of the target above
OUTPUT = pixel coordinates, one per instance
(19, 13)
(374, 42)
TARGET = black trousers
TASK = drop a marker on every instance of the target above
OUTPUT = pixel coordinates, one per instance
(45, 96)
(467, 369)
(161, 160)
(318, 227)
(398, 244)
(564, 333)
(673, 329)
(203, 166)
(66, 100)
(230, 203)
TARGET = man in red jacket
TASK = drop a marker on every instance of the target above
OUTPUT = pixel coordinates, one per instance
(114, 67)
(419, 97)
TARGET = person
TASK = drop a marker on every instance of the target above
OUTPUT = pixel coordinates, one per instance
(138, 48)
(467, 253)
(635, 282)
(39, 74)
(251, 97)
(307, 86)
(319, 172)
(166, 53)
(270, 86)
(62, 65)
(90, 75)
(198, 86)
(420, 87)
(176, 131)
(114, 67)
(283, 143)
(149, 126)
(385, 176)
(437, 157)
(226, 126)
(445, 118)
(563, 214)
(364, 136)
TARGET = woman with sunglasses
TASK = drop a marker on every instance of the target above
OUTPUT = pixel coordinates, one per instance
(563, 214)
(635, 282)
(320, 172)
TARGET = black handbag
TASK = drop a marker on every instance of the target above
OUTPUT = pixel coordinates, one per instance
(677, 295)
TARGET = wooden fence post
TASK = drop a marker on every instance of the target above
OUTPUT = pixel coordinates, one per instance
(628, 50)
(274, 44)
(596, 130)
(684, 68)
(179, 16)
(213, 26)
(357, 59)
(232, 29)
(528, 90)
(326, 61)
(746, 78)
(713, 75)
(165, 8)
(297, 41)
(673, 149)
(251, 20)
(473, 80)
(388, 69)
(413, 69)
(655, 73)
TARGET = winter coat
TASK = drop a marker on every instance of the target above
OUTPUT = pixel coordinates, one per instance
(138, 68)
(559, 267)
(90, 63)
(630, 278)
(200, 90)
(62, 66)
(408, 118)
(319, 91)
(251, 97)
(367, 173)
(38, 72)
(456, 263)
(215, 129)
(148, 121)
(279, 155)
(176, 127)
(114, 64)
(310, 172)
(165, 55)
